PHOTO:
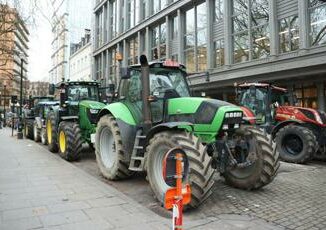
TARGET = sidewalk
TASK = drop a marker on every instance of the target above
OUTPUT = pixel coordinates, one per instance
(39, 190)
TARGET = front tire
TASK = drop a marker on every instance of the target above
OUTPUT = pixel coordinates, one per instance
(70, 141)
(296, 144)
(264, 167)
(200, 175)
(52, 133)
(109, 152)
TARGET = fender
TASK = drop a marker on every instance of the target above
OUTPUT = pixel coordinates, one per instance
(169, 126)
(283, 124)
(118, 111)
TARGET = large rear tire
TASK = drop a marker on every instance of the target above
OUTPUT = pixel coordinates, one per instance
(36, 132)
(52, 132)
(200, 175)
(264, 166)
(296, 144)
(70, 141)
(109, 152)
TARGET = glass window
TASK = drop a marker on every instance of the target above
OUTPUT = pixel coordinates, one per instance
(219, 52)
(289, 34)
(195, 39)
(133, 51)
(159, 42)
(317, 9)
(250, 30)
(219, 10)
(175, 28)
(158, 5)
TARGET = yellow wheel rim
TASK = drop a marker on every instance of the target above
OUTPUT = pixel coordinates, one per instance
(49, 131)
(62, 142)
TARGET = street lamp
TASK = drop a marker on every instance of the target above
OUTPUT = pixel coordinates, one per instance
(20, 124)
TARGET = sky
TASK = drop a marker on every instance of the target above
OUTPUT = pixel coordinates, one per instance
(39, 48)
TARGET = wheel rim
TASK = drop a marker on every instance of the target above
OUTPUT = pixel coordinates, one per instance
(62, 142)
(35, 132)
(49, 131)
(241, 170)
(43, 139)
(292, 144)
(157, 168)
(107, 148)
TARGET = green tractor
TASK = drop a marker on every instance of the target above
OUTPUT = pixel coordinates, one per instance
(71, 123)
(35, 115)
(153, 112)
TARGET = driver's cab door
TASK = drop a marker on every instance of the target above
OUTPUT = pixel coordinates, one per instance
(130, 94)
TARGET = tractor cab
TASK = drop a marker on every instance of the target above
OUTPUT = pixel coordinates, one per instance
(167, 80)
(261, 100)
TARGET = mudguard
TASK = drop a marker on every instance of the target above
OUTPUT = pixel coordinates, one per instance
(283, 124)
(168, 126)
(118, 111)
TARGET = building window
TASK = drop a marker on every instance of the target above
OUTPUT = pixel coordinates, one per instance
(159, 42)
(195, 39)
(158, 5)
(133, 51)
(112, 64)
(98, 64)
(219, 10)
(219, 52)
(250, 30)
(133, 13)
(174, 57)
(113, 18)
(317, 10)
(99, 28)
(307, 96)
(289, 34)
(175, 28)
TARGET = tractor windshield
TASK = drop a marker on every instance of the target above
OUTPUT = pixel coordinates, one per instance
(83, 92)
(257, 104)
(282, 98)
(163, 81)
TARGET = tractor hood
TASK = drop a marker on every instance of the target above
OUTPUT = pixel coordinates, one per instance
(207, 115)
(92, 104)
(302, 114)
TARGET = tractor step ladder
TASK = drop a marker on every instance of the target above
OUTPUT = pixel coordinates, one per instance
(137, 156)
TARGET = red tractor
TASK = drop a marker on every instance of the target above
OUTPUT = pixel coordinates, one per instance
(300, 133)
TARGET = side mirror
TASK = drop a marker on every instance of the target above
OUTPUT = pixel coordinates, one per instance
(51, 89)
(125, 73)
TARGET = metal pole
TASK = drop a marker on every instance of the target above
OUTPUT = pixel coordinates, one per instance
(4, 105)
(20, 131)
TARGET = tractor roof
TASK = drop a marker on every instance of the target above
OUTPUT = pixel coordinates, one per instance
(162, 64)
(70, 83)
(261, 85)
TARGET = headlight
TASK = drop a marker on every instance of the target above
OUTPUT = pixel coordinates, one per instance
(233, 115)
(93, 111)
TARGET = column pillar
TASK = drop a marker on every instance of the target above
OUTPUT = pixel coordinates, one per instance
(209, 39)
(181, 25)
(274, 42)
(168, 37)
(303, 24)
(228, 46)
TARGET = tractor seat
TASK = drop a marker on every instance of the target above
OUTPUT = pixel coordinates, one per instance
(170, 93)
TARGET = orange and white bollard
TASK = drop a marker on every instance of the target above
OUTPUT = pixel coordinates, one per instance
(177, 196)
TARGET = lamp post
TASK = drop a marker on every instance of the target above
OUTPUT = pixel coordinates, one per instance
(20, 124)
(4, 104)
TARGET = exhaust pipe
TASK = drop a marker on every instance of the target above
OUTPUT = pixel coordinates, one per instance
(145, 93)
